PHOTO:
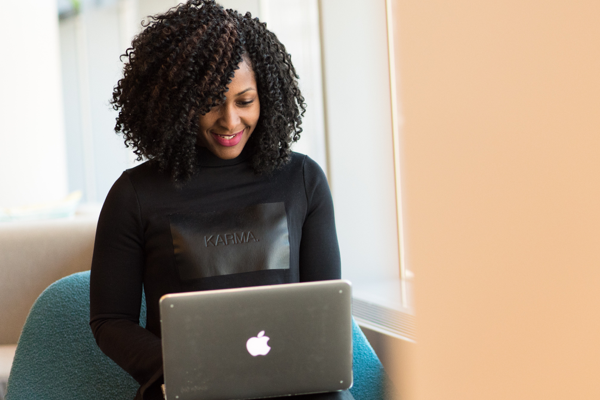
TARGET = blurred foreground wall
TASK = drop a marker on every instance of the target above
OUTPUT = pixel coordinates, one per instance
(502, 195)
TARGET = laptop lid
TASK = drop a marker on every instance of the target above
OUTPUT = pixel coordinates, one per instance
(257, 342)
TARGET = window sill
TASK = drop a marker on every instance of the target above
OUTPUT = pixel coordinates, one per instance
(385, 306)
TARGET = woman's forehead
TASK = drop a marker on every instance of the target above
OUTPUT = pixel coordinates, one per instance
(243, 79)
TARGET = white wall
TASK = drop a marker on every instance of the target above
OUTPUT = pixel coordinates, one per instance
(360, 137)
(296, 24)
(152, 7)
(32, 142)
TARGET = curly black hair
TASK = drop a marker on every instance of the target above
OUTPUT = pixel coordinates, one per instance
(179, 67)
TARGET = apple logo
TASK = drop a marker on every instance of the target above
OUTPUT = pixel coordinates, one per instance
(257, 346)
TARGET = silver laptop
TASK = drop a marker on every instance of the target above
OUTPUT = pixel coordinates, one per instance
(257, 342)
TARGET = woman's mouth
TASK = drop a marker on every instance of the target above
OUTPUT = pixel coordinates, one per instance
(228, 140)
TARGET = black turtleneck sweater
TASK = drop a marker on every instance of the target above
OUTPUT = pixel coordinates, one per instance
(226, 227)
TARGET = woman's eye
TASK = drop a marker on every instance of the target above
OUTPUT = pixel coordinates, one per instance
(246, 102)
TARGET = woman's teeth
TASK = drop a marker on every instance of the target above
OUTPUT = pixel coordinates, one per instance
(227, 137)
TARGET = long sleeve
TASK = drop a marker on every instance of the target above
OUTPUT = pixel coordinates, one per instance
(319, 249)
(116, 288)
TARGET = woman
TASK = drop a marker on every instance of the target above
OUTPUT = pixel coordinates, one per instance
(211, 99)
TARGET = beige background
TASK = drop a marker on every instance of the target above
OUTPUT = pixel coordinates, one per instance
(501, 165)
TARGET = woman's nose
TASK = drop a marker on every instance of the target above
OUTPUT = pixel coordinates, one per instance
(230, 118)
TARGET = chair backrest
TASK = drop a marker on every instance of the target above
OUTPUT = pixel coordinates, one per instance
(57, 357)
(33, 254)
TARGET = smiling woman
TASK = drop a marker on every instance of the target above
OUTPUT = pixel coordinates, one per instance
(226, 128)
(210, 98)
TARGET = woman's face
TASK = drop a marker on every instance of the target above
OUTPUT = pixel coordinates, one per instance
(226, 128)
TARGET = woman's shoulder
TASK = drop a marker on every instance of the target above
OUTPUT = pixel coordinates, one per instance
(309, 171)
(303, 161)
(307, 165)
(146, 174)
(139, 180)
(147, 169)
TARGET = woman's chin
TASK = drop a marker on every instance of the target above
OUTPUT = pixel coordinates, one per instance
(227, 153)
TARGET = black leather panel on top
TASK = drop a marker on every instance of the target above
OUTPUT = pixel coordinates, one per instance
(229, 242)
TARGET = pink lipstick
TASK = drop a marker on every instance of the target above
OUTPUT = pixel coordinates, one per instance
(228, 140)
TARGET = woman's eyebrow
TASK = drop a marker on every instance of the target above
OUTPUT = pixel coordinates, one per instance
(244, 91)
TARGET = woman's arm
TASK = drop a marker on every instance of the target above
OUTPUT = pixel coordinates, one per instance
(319, 249)
(116, 287)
